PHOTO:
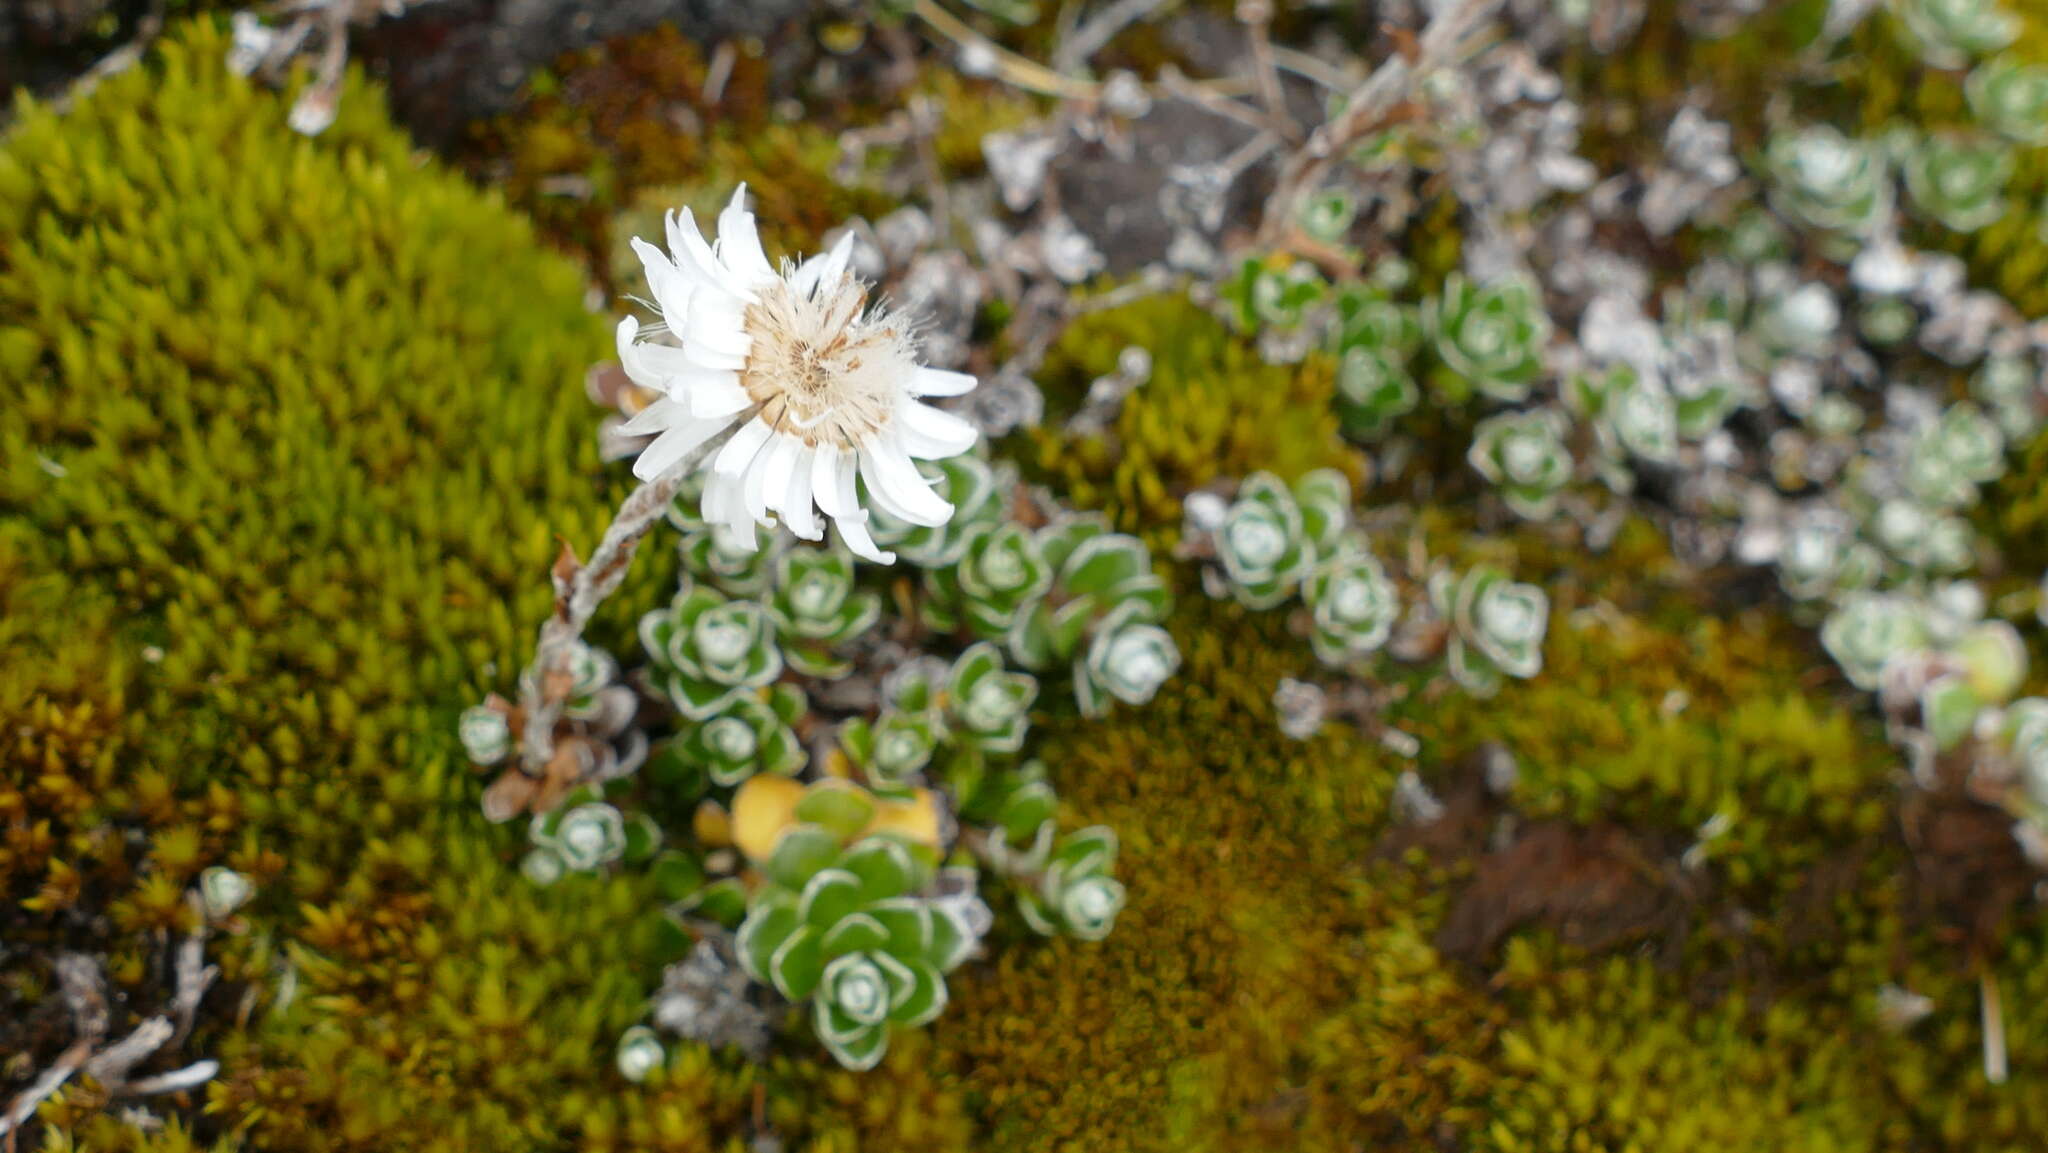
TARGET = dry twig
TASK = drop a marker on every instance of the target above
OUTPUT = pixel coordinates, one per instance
(1370, 107)
(579, 588)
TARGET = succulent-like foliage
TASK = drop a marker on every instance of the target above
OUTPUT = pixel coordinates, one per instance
(1796, 320)
(708, 651)
(716, 558)
(1635, 417)
(2006, 385)
(841, 925)
(1000, 573)
(1075, 893)
(1491, 336)
(1324, 497)
(1958, 180)
(2025, 731)
(1948, 33)
(1962, 451)
(980, 495)
(1375, 342)
(1272, 293)
(895, 747)
(1098, 574)
(1265, 547)
(2010, 97)
(748, 734)
(1352, 604)
(1128, 659)
(988, 706)
(1822, 556)
(1497, 626)
(1829, 181)
(817, 609)
(1868, 630)
(1524, 455)
(1922, 538)
(585, 834)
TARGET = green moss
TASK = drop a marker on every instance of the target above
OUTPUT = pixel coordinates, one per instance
(623, 131)
(278, 475)
(1661, 728)
(1186, 1027)
(1212, 409)
(1608, 1057)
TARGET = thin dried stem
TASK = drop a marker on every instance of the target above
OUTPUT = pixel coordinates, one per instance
(119, 60)
(1010, 68)
(1995, 1065)
(579, 588)
(1257, 18)
(1370, 107)
(1071, 54)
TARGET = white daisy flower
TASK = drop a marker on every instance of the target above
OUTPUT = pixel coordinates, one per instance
(815, 386)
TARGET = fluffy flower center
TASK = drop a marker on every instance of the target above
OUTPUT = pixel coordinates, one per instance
(823, 367)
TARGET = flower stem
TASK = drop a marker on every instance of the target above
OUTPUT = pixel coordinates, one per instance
(579, 588)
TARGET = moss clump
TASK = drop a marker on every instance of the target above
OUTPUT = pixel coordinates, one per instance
(1212, 408)
(292, 425)
(629, 126)
(1663, 729)
(1246, 928)
(1608, 1057)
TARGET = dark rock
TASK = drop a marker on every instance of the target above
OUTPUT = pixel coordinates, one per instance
(450, 63)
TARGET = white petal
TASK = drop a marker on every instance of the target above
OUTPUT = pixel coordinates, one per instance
(719, 398)
(630, 358)
(846, 484)
(679, 371)
(933, 435)
(797, 501)
(671, 288)
(693, 257)
(854, 531)
(739, 245)
(897, 486)
(939, 382)
(663, 414)
(768, 480)
(707, 332)
(824, 269)
(674, 444)
(725, 506)
(825, 481)
(739, 452)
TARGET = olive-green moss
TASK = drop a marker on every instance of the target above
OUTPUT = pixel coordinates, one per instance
(1182, 1030)
(628, 127)
(292, 427)
(1211, 409)
(1665, 728)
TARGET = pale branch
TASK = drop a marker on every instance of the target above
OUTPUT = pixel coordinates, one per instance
(193, 976)
(1370, 107)
(1257, 18)
(110, 1065)
(52, 1079)
(119, 60)
(176, 1081)
(1072, 53)
(1012, 69)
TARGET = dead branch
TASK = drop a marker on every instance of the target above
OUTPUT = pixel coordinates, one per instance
(1369, 108)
